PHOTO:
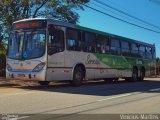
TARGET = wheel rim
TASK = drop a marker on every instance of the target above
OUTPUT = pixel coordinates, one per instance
(78, 76)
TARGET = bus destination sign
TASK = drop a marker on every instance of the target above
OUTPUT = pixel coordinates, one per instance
(30, 24)
(27, 25)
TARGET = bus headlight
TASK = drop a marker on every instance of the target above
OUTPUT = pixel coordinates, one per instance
(9, 68)
(39, 67)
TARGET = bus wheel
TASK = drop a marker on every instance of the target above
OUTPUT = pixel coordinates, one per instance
(77, 76)
(142, 75)
(43, 83)
(134, 75)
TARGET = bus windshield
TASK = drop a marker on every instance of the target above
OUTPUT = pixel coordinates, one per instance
(26, 45)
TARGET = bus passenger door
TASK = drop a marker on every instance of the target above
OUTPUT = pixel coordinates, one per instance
(55, 53)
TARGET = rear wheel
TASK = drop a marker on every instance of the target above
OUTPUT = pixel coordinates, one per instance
(142, 75)
(43, 83)
(78, 76)
(134, 75)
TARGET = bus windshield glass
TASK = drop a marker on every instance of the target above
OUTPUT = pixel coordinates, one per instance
(26, 45)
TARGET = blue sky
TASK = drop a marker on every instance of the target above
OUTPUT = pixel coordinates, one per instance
(147, 10)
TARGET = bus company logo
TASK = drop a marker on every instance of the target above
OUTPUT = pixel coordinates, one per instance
(91, 60)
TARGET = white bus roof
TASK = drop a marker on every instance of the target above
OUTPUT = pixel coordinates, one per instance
(61, 23)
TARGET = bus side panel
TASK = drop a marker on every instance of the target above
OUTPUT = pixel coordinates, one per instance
(105, 70)
(54, 74)
(126, 73)
(106, 73)
(56, 69)
(73, 58)
(113, 66)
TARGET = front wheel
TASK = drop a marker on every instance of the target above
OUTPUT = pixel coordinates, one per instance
(78, 76)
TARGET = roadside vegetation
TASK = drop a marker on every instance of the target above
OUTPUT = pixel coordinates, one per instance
(2, 59)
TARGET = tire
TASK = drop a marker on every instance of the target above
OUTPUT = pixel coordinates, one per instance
(43, 83)
(142, 75)
(78, 76)
(134, 75)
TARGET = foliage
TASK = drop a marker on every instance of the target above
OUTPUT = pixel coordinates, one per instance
(12, 10)
(2, 65)
(2, 59)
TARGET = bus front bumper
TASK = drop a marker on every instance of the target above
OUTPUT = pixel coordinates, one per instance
(26, 75)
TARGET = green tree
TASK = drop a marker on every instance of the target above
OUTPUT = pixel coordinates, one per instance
(12, 10)
(2, 59)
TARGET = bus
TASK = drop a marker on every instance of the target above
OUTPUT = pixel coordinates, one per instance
(45, 50)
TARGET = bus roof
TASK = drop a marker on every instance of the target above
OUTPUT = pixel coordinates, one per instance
(61, 23)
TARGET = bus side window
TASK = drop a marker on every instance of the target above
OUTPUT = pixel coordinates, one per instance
(153, 53)
(102, 44)
(134, 50)
(90, 42)
(73, 39)
(55, 41)
(148, 52)
(142, 51)
(125, 49)
(115, 46)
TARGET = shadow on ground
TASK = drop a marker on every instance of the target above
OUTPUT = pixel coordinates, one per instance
(94, 88)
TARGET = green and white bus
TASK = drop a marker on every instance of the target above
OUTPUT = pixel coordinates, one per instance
(46, 50)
